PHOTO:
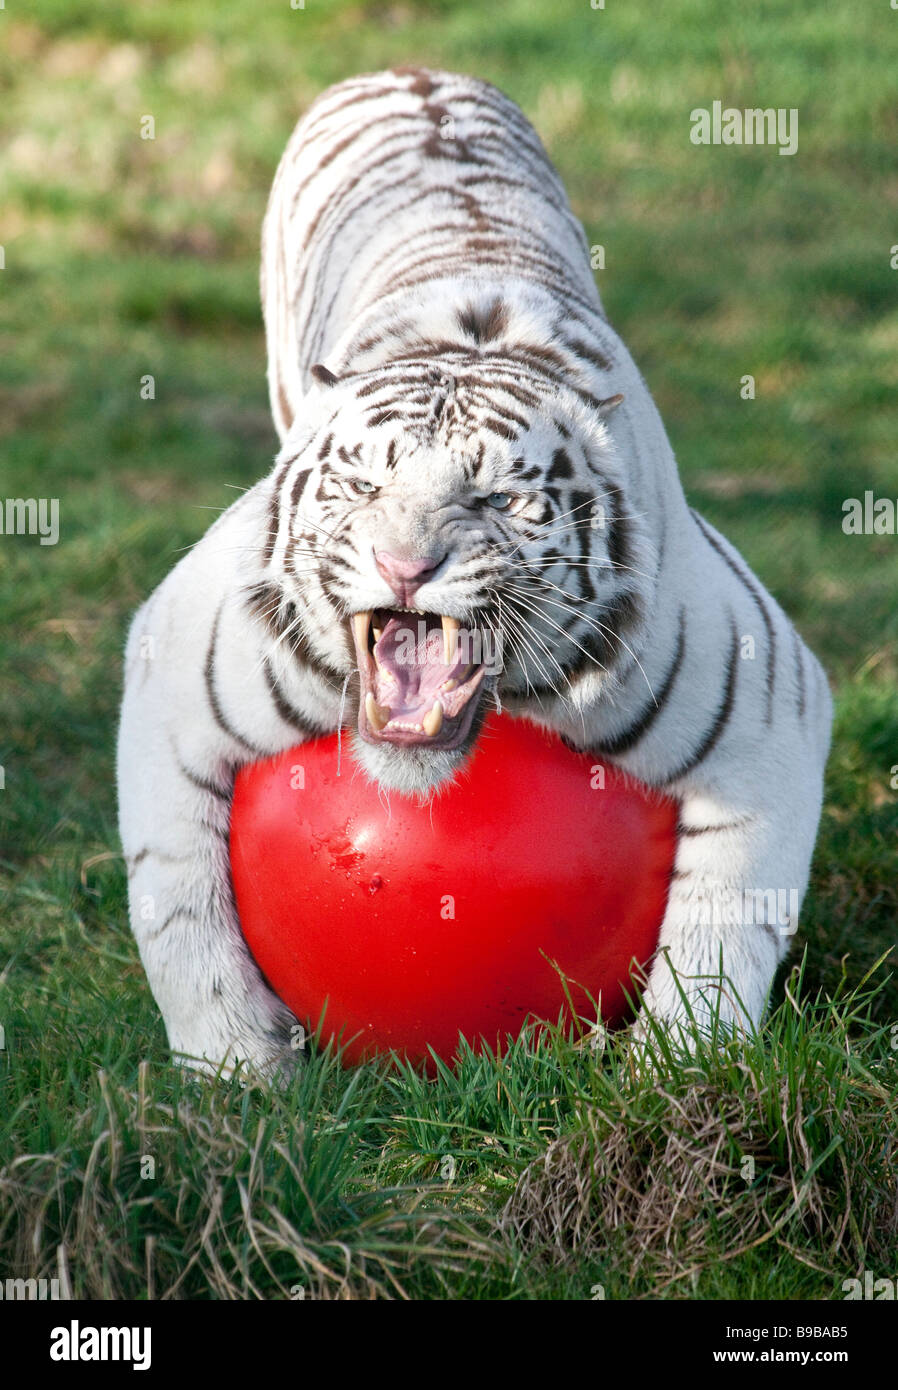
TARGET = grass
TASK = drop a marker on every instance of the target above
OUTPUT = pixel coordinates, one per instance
(125, 257)
(751, 1170)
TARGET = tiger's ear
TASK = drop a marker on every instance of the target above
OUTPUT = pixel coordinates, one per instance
(609, 404)
(324, 375)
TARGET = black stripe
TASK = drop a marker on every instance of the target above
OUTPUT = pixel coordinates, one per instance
(264, 603)
(215, 830)
(201, 784)
(365, 93)
(723, 713)
(296, 491)
(588, 354)
(175, 913)
(509, 388)
(137, 859)
(499, 427)
(481, 323)
(405, 395)
(212, 696)
(690, 830)
(285, 709)
(560, 466)
(640, 726)
(619, 548)
(484, 398)
(284, 404)
(799, 665)
(758, 597)
(274, 512)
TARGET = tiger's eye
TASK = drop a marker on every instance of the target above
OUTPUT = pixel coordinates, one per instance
(499, 500)
(362, 485)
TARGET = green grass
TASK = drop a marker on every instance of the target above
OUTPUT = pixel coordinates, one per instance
(126, 257)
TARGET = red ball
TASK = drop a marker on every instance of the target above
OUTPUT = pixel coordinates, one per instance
(414, 923)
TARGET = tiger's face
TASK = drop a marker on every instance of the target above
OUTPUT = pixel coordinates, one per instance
(455, 536)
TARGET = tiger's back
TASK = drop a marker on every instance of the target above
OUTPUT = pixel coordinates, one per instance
(398, 195)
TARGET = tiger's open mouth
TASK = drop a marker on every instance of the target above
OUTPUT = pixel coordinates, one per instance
(419, 675)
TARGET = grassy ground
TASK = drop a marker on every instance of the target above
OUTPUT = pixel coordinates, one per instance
(556, 1173)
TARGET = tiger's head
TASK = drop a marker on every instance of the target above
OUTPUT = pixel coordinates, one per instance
(454, 533)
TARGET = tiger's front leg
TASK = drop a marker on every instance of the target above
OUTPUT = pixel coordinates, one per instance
(746, 833)
(732, 912)
(198, 703)
(216, 1006)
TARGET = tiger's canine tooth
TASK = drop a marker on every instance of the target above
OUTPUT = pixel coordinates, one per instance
(433, 720)
(450, 639)
(360, 623)
(378, 633)
(377, 716)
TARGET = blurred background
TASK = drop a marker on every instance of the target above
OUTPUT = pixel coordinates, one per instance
(127, 257)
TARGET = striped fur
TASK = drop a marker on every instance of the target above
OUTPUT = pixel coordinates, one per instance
(445, 384)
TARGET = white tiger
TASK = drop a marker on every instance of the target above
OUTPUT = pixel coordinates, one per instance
(464, 435)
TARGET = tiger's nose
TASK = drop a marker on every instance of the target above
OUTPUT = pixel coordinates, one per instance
(405, 577)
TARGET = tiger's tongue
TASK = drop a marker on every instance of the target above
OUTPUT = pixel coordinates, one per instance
(410, 665)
